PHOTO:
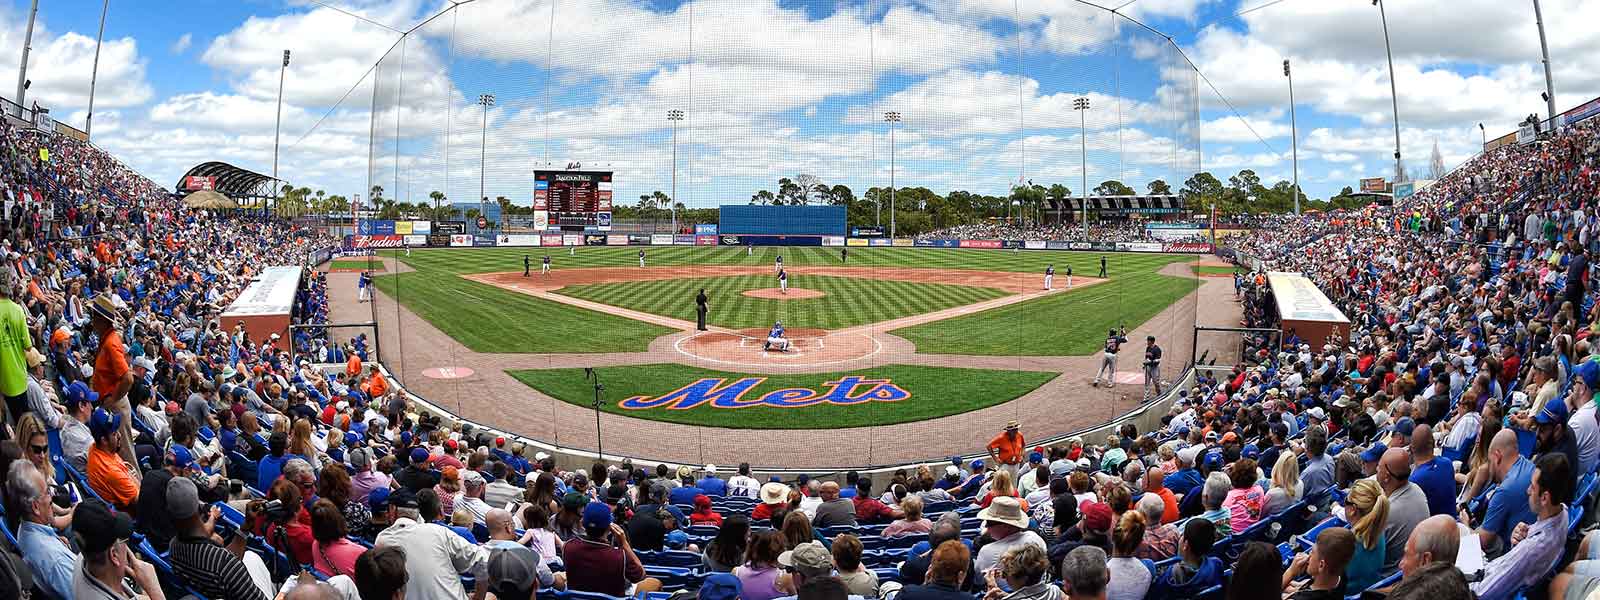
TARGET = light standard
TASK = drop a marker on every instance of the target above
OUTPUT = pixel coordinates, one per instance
(94, 71)
(1294, 138)
(1081, 104)
(277, 126)
(1544, 50)
(1394, 96)
(674, 115)
(486, 101)
(22, 73)
(1485, 136)
(892, 117)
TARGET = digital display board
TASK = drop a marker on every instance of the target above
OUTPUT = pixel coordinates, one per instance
(573, 198)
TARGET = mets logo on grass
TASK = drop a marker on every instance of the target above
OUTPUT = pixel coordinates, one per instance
(723, 393)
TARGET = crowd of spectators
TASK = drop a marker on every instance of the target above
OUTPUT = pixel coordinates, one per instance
(1105, 231)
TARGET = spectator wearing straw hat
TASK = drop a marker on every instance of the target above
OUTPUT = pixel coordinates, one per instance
(1008, 526)
(1008, 449)
(113, 376)
(773, 496)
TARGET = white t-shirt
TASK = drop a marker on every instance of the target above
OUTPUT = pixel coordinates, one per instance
(1130, 579)
(743, 487)
(991, 552)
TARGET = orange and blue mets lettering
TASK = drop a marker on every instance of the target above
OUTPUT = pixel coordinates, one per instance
(723, 393)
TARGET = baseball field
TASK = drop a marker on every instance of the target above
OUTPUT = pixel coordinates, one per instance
(890, 335)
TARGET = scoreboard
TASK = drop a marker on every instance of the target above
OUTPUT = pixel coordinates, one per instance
(573, 198)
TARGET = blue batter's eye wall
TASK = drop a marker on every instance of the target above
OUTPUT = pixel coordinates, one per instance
(745, 219)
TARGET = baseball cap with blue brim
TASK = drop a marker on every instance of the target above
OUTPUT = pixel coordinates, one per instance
(1555, 411)
(1374, 453)
(103, 423)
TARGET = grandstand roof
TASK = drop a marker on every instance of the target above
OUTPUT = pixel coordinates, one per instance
(229, 180)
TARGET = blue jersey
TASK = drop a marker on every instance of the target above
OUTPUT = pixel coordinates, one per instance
(777, 331)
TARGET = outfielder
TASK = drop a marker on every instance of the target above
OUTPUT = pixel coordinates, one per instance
(783, 280)
(775, 339)
(641, 258)
(1102, 266)
(544, 267)
(1108, 361)
(1049, 277)
(1069, 276)
(1152, 367)
(525, 265)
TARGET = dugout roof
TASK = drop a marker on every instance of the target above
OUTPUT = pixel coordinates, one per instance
(231, 181)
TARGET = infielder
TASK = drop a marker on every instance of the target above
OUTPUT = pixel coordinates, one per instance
(641, 258)
(779, 265)
(783, 280)
(544, 267)
(525, 265)
(775, 339)
(1108, 361)
(571, 250)
(1102, 266)
(1152, 367)
(407, 246)
(1069, 276)
(1049, 277)
(749, 250)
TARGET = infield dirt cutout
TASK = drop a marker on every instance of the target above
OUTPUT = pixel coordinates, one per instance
(780, 294)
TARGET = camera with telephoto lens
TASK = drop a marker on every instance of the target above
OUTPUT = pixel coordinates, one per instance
(276, 512)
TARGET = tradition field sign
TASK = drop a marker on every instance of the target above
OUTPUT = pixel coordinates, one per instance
(882, 396)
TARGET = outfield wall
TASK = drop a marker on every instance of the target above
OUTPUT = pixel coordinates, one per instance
(367, 242)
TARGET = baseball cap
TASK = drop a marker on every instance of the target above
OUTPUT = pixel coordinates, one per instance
(1035, 457)
(1555, 411)
(180, 457)
(78, 392)
(419, 456)
(677, 540)
(574, 500)
(1374, 453)
(403, 498)
(351, 438)
(1213, 459)
(103, 423)
(721, 586)
(810, 559)
(1405, 426)
(183, 498)
(596, 516)
(977, 465)
(144, 362)
(512, 572)
(98, 528)
(379, 499)
(1317, 413)
(1096, 516)
(1589, 373)
(1250, 452)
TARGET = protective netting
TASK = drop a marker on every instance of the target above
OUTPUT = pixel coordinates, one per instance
(984, 101)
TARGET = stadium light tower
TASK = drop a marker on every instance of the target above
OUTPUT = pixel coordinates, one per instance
(94, 70)
(1081, 104)
(1484, 135)
(674, 115)
(1544, 49)
(486, 101)
(22, 73)
(1394, 96)
(892, 117)
(277, 126)
(1294, 138)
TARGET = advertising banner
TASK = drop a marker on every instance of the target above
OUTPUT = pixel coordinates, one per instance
(980, 243)
(729, 240)
(1173, 233)
(1373, 184)
(903, 242)
(460, 239)
(937, 243)
(1404, 190)
(519, 239)
(439, 240)
(553, 239)
(1058, 245)
(1526, 134)
(415, 240)
(705, 229)
(1079, 245)
(603, 221)
(616, 240)
(541, 219)
(683, 240)
(572, 239)
(1138, 247)
(1033, 244)
(358, 242)
(403, 228)
(375, 227)
(880, 242)
(869, 231)
(1187, 248)
(195, 183)
(855, 242)
(705, 240)
(421, 227)
(833, 240)
(1582, 111)
(450, 227)
(596, 240)
(661, 239)
(638, 239)
(483, 240)
(1010, 243)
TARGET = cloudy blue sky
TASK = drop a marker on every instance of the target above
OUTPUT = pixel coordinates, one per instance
(780, 87)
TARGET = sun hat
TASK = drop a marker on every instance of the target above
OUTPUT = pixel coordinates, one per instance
(773, 492)
(1005, 509)
(711, 469)
(1013, 425)
(685, 471)
(809, 559)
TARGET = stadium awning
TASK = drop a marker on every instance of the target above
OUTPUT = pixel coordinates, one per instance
(225, 179)
(1121, 204)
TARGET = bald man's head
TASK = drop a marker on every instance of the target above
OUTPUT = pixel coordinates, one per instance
(497, 520)
(1435, 540)
(1422, 444)
(1394, 469)
(314, 591)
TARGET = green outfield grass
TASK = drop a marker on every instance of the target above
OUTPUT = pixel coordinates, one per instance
(1070, 324)
(487, 260)
(485, 318)
(849, 301)
(1211, 270)
(934, 392)
(357, 264)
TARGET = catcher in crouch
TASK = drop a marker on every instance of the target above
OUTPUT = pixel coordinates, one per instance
(775, 339)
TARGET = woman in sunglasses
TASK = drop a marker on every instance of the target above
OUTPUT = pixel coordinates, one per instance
(36, 448)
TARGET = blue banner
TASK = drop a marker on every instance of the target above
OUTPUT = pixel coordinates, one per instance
(483, 239)
(376, 227)
(938, 243)
(705, 229)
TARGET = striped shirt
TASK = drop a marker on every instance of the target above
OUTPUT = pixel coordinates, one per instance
(1527, 562)
(211, 569)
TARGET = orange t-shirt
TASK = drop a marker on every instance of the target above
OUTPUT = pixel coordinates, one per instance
(352, 367)
(1010, 448)
(377, 386)
(109, 477)
(110, 365)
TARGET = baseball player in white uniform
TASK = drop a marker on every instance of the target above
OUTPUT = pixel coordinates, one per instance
(1049, 277)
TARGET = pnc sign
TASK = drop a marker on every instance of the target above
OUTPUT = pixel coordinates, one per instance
(724, 393)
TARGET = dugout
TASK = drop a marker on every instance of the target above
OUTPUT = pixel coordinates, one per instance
(266, 306)
(760, 225)
(1306, 311)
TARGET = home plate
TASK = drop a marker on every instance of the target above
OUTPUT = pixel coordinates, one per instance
(447, 372)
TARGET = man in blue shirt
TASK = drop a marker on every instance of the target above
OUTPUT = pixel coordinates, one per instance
(684, 494)
(1435, 475)
(711, 484)
(1318, 472)
(271, 465)
(44, 551)
(1509, 505)
(1186, 478)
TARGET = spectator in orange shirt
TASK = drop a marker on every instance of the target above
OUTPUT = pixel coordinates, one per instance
(353, 366)
(114, 480)
(377, 386)
(1007, 448)
(112, 377)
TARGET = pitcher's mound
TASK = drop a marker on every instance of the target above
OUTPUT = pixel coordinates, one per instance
(777, 294)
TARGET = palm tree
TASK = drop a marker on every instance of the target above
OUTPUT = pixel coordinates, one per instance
(437, 197)
(377, 194)
(320, 206)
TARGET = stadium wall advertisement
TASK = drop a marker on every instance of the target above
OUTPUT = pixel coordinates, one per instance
(439, 240)
(833, 240)
(980, 243)
(723, 393)
(903, 242)
(616, 240)
(1186, 248)
(683, 240)
(855, 242)
(403, 228)
(1034, 244)
(553, 239)
(705, 240)
(596, 240)
(374, 227)
(460, 239)
(1138, 247)
(705, 229)
(937, 243)
(880, 242)
(483, 240)
(661, 239)
(571, 239)
(519, 239)
(357, 242)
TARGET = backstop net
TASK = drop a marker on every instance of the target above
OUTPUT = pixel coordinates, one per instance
(961, 141)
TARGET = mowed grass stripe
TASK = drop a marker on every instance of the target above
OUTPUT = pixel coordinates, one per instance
(485, 318)
(1070, 324)
(848, 301)
(935, 392)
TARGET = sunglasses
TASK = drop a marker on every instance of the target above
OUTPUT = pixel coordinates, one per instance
(39, 449)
